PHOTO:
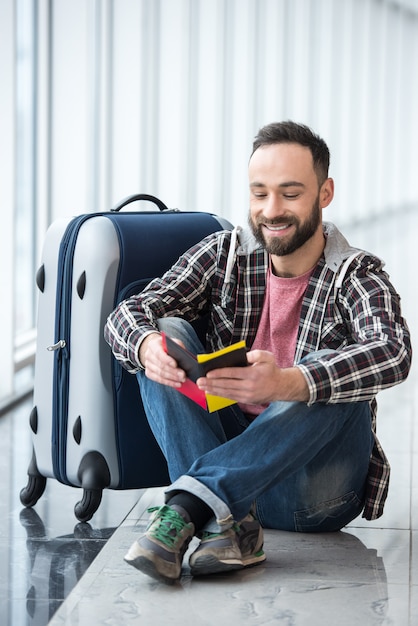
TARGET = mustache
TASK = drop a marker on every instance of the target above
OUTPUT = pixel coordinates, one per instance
(276, 221)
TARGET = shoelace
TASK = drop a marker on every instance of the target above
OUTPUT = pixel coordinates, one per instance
(166, 525)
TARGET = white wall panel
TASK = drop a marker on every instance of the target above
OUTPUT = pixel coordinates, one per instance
(375, 131)
(43, 124)
(270, 63)
(209, 41)
(70, 133)
(239, 107)
(299, 76)
(129, 95)
(99, 64)
(409, 158)
(172, 105)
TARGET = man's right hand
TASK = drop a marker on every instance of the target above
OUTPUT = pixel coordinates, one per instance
(159, 366)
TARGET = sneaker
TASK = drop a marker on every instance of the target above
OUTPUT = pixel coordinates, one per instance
(160, 551)
(238, 547)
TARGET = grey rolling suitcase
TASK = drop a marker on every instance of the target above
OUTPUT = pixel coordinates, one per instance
(88, 426)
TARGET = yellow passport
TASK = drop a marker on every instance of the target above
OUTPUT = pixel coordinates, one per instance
(231, 356)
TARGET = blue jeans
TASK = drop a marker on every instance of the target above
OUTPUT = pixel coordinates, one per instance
(304, 467)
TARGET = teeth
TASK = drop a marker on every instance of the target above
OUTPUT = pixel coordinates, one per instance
(270, 227)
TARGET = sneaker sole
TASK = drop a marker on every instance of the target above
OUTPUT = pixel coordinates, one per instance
(148, 567)
(209, 564)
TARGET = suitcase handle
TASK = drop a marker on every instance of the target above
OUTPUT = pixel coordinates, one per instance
(139, 196)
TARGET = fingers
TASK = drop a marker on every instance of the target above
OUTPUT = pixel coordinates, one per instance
(260, 356)
(229, 382)
(159, 366)
(251, 385)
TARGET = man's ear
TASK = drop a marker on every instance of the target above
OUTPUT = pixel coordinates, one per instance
(326, 193)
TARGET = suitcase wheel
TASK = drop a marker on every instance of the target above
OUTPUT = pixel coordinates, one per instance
(94, 476)
(86, 508)
(30, 494)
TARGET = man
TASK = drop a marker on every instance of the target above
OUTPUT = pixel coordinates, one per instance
(325, 333)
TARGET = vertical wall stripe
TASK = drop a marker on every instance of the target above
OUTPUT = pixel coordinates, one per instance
(194, 77)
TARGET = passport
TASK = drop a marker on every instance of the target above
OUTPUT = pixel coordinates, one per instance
(197, 366)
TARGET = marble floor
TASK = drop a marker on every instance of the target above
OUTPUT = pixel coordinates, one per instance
(56, 571)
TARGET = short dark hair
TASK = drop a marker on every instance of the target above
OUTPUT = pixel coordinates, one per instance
(291, 132)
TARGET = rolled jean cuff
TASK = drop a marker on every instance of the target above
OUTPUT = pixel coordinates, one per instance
(223, 515)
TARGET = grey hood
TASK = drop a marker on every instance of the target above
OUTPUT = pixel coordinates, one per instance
(336, 251)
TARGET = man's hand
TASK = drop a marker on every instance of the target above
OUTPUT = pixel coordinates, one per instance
(159, 366)
(261, 382)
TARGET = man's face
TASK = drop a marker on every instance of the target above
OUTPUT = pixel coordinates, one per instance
(285, 209)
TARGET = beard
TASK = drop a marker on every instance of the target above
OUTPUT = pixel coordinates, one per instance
(276, 245)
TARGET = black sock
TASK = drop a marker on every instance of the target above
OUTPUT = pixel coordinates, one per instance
(192, 507)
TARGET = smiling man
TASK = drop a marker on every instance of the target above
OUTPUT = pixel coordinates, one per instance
(322, 322)
(286, 213)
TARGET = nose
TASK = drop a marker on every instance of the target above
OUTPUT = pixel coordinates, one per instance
(273, 207)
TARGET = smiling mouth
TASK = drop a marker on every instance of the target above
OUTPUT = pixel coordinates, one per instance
(276, 228)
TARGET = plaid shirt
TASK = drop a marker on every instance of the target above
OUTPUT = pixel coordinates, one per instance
(356, 315)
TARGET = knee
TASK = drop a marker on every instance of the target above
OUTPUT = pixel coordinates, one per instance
(173, 325)
(178, 328)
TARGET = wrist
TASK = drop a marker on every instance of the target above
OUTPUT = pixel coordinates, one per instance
(143, 346)
(295, 386)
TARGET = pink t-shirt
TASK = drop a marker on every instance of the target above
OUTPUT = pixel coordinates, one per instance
(279, 322)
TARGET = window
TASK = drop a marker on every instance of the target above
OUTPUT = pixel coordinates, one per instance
(19, 235)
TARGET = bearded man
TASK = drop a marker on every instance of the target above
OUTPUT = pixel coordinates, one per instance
(323, 326)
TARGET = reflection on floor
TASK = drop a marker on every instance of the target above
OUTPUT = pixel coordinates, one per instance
(44, 551)
(366, 574)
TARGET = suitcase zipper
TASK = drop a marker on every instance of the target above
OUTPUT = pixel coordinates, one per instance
(62, 347)
(56, 346)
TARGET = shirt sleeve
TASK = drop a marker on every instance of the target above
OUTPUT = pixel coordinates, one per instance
(377, 354)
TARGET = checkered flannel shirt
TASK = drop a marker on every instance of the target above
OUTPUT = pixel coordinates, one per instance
(360, 322)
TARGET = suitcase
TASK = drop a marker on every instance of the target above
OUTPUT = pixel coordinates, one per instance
(88, 425)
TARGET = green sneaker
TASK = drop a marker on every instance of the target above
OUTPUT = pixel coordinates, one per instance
(238, 547)
(160, 551)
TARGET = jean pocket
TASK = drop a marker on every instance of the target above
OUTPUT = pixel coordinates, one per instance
(329, 516)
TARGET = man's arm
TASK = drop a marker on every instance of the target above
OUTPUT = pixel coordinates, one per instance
(377, 354)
